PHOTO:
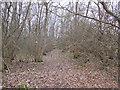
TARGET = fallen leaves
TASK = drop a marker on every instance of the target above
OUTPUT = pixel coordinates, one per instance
(58, 72)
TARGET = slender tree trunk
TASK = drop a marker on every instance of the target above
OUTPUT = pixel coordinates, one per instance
(45, 29)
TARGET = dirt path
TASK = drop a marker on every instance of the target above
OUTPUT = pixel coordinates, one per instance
(57, 72)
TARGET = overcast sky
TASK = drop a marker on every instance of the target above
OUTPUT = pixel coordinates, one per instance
(66, 1)
(61, 1)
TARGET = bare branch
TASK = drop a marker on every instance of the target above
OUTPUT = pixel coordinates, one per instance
(109, 12)
(88, 8)
(89, 17)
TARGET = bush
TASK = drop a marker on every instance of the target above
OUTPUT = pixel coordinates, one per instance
(101, 45)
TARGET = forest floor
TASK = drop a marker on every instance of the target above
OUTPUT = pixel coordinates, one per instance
(58, 71)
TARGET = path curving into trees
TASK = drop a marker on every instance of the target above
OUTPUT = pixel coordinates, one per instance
(57, 71)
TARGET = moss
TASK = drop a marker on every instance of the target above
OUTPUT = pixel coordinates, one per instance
(39, 60)
(23, 85)
(4, 70)
(76, 56)
(82, 66)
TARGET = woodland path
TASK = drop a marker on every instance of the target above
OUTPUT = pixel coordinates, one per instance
(57, 71)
